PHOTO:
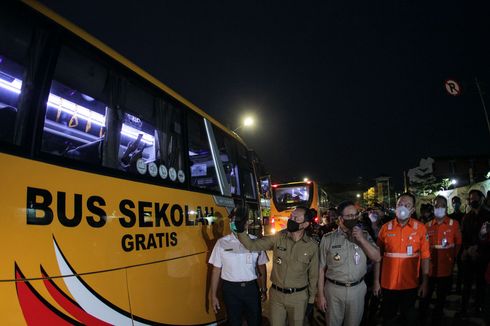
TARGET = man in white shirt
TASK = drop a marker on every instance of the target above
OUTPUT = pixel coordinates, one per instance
(243, 274)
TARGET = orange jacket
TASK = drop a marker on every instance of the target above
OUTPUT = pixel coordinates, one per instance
(443, 252)
(402, 248)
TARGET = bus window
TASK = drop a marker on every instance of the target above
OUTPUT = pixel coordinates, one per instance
(74, 124)
(203, 171)
(292, 195)
(15, 37)
(228, 152)
(151, 148)
(246, 174)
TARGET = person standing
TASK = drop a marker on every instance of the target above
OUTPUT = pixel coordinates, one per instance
(294, 272)
(404, 246)
(242, 273)
(445, 241)
(475, 251)
(457, 215)
(343, 258)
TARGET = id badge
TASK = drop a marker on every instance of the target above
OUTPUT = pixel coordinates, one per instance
(357, 258)
(444, 242)
(410, 250)
(249, 258)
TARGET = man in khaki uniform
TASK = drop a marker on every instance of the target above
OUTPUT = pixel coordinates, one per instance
(294, 273)
(343, 256)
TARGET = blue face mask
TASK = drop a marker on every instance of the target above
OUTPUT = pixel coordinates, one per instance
(233, 227)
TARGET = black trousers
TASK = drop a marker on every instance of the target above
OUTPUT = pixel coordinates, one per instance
(402, 301)
(474, 272)
(442, 286)
(242, 299)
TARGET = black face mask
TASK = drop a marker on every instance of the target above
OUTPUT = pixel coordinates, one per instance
(350, 223)
(292, 226)
(475, 204)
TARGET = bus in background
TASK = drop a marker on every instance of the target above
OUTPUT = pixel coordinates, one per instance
(114, 187)
(287, 196)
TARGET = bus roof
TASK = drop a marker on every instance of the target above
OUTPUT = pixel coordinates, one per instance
(47, 12)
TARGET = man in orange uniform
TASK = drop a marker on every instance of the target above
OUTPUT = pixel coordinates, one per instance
(404, 247)
(445, 241)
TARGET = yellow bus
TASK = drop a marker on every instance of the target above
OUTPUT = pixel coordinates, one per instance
(287, 196)
(114, 187)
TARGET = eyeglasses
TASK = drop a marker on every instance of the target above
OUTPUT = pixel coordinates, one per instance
(351, 216)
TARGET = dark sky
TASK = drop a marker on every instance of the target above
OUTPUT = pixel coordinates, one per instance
(339, 89)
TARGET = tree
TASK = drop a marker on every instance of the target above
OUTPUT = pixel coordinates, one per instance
(370, 197)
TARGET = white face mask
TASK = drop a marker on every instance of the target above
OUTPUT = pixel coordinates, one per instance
(402, 212)
(440, 212)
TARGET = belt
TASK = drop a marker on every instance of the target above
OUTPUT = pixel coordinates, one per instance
(443, 247)
(347, 285)
(242, 284)
(288, 290)
(399, 255)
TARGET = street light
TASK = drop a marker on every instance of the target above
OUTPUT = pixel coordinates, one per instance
(305, 179)
(358, 195)
(454, 181)
(247, 122)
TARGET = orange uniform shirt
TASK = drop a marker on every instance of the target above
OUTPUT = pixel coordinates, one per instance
(443, 240)
(402, 248)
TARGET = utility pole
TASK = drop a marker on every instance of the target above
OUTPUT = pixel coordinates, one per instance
(483, 103)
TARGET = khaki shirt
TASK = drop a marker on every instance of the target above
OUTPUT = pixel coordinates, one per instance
(338, 257)
(295, 263)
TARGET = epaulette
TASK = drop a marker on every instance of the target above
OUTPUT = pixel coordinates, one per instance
(330, 233)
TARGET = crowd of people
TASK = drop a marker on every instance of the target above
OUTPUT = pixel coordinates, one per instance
(359, 266)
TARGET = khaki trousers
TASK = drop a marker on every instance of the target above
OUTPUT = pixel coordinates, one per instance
(290, 307)
(345, 305)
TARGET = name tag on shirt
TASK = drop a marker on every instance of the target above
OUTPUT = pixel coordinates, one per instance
(336, 246)
(409, 250)
(229, 249)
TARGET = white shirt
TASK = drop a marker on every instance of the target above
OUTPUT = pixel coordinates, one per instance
(236, 262)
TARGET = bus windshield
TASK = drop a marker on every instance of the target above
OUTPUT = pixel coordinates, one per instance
(292, 195)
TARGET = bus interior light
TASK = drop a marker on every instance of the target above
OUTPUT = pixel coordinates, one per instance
(67, 106)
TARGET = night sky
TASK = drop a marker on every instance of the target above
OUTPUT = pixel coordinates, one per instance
(339, 89)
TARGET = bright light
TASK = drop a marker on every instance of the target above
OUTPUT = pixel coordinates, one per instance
(358, 195)
(305, 179)
(454, 181)
(273, 231)
(248, 122)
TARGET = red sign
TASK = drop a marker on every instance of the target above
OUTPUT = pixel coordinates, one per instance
(452, 87)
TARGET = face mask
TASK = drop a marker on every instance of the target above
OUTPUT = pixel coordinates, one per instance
(402, 213)
(440, 212)
(456, 207)
(350, 223)
(292, 226)
(373, 217)
(233, 227)
(475, 204)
